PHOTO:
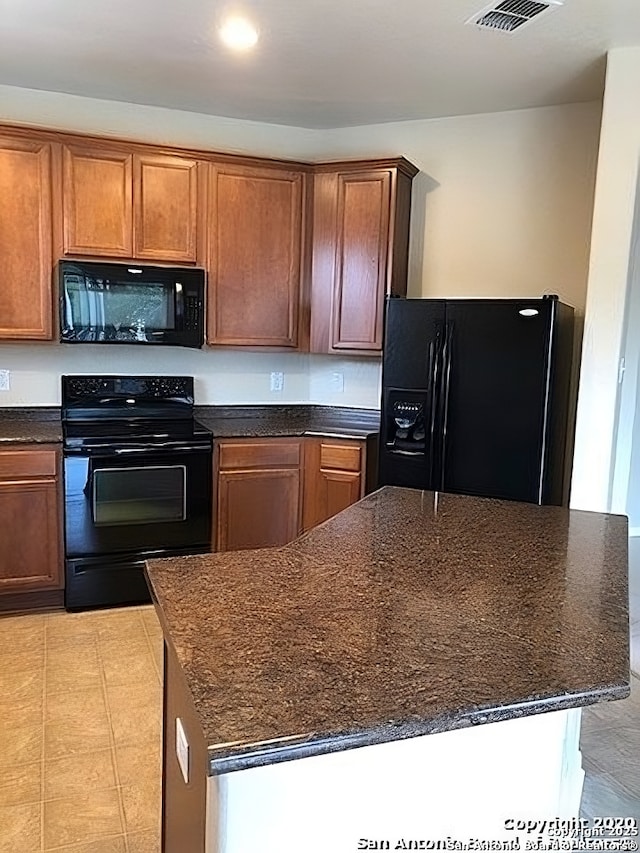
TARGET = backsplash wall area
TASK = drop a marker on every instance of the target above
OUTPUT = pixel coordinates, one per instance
(222, 376)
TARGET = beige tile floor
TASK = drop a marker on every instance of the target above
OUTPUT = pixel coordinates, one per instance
(610, 737)
(610, 743)
(634, 602)
(80, 732)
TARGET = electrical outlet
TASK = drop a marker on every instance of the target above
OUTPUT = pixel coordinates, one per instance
(5, 380)
(337, 382)
(277, 381)
(182, 750)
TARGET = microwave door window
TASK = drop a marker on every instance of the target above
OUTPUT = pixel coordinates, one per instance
(68, 310)
(93, 312)
(84, 307)
(77, 306)
(100, 317)
(103, 309)
(138, 312)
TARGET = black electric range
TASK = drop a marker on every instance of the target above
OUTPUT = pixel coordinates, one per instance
(137, 482)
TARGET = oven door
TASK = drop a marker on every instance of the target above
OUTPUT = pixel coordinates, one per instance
(133, 499)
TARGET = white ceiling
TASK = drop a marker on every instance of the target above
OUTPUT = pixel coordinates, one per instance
(318, 63)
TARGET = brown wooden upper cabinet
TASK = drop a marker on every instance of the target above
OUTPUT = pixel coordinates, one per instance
(299, 256)
(26, 307)
(360, 251)
(126, 204)
(256, 248)
(166, 207)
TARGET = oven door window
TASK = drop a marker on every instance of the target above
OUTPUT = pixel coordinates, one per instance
(147, 495)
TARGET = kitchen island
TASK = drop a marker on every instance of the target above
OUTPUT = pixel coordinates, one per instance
(413, 666)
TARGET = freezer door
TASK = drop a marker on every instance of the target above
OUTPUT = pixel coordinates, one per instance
(411, 367)
(411, 328)
(494, 397)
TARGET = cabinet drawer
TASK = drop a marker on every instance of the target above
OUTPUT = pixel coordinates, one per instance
(16, 464)
(259, 454)
(342, 457)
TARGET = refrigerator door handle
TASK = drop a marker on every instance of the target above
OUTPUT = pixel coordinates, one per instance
(446, 380)
(435, 347)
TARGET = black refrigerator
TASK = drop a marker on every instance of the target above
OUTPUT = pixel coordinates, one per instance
(475, 397)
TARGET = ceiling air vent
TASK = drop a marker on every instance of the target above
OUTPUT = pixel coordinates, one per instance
(511, 15)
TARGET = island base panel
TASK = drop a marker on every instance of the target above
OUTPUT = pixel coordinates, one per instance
(183, 803)
(464, 784)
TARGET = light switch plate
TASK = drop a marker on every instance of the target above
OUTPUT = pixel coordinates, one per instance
(5, 380)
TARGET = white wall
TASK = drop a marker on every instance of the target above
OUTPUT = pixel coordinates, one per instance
(502, 207)
(613, 217)
(152, 124)
(632, 503)
(503, 204)
(222, 376)
(625, 492)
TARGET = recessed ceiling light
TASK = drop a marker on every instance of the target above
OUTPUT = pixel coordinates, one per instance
(238, 34)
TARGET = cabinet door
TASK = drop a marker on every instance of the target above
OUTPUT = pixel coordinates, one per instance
(26, 306)
(166, 195)
(258, 508)
(338, 489)
(360, 253)
(98, 202)
(259, 492)
(30, 540)
(361, 260)
(255, 246)
(333, 479)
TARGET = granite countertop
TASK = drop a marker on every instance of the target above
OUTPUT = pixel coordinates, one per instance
(35, 425)
(273, 421)
(407, 614)
(40, 425)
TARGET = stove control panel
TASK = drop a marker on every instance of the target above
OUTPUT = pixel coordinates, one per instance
(98, 398)
(91, 388)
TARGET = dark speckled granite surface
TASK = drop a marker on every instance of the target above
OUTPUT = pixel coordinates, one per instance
(398, 617)
(26, 426)
(23, 425)
(257, 421)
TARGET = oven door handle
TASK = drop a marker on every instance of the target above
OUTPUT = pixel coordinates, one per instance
(109, 450)
(121, 450)
(148, 450)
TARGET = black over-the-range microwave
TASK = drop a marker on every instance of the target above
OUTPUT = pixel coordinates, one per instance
(131, 304)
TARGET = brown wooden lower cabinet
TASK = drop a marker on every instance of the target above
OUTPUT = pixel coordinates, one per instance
(259, 491)
(30, 524)
(334, 478)
(270, 490)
